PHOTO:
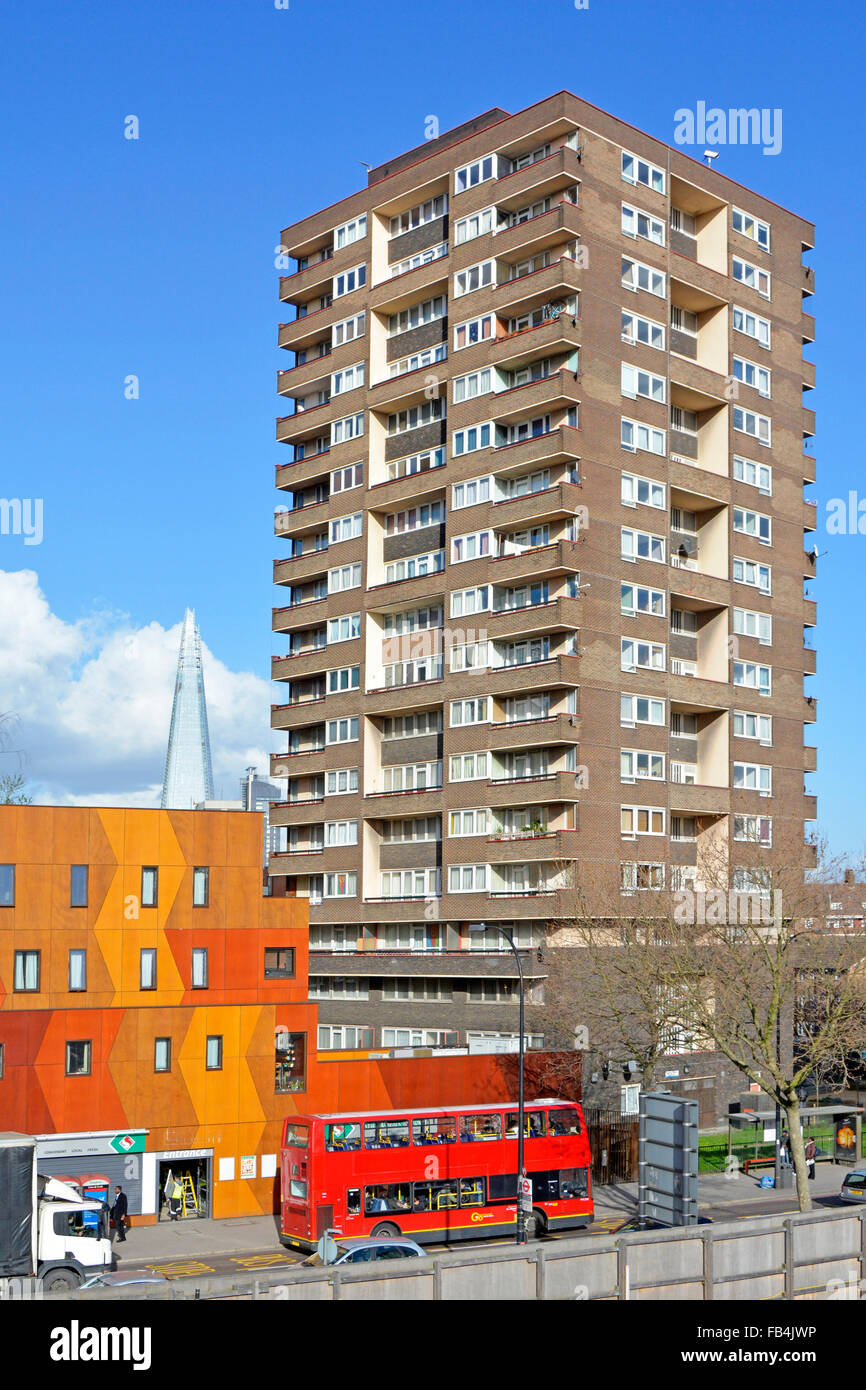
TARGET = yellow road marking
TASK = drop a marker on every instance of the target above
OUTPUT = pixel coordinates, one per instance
(262, 1261)
(180, 1269)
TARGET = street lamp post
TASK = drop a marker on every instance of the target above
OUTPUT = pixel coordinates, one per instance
(520, 1233)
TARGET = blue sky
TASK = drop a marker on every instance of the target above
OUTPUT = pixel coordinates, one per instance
(155, 257)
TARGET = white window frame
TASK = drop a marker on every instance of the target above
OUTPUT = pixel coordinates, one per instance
(472, 385)
(472, 438)
(478, 171)
(357, 227)
(638, 384)
(485, 219)
(761, 523)
(635, 813)
(631, 649)
(751, 275)
(749, 622)
(347, 379)
(344, 628)
(763, 722)
(741, 467)
(474, 277)
(336, 586)
(351, 776)
(632, 485)
(340, 832)
(760, 573)
(638, 545)
(478, 330)
(479, 762)
(636, 764)
(642, 277)
(758, 427)
(480, 715)
(634, 215)
(333, 729)
(479, 488)
(349, 427)
(636, 328)
(751, 374)
(481, 543)
(479, 592)
(473, 820)
(331, 885)
(752, 326)
(753, 676)
(656, 599)
(761, 774)
(468, 878)
(751, 227)
(359, 328)
(353, 522)
(340, 285)
(636, 436)
(641, 173)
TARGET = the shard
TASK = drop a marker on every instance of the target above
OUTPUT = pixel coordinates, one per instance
(188, 772)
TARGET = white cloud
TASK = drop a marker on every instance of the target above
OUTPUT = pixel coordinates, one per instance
(93, 700)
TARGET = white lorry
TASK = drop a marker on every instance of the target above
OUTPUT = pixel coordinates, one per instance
(46, 1231)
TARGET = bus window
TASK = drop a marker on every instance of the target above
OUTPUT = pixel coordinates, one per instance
(480, 1127)
(438, 1129)
(297, 1190)
(340, 1137)
(435, 1196)
(387, 1197)
(472, 1192)
(564, 1121)
(534, 1127)
(353, 1201)
(502, 1187)
(574, 1183)
(386, 1134)
(296, 1136)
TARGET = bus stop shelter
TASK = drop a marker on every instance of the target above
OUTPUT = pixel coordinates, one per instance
(845, 1121)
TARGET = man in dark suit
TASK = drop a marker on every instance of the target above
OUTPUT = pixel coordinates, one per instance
(118, 1212)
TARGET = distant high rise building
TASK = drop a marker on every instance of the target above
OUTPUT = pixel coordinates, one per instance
(188, 771)
(257, 795)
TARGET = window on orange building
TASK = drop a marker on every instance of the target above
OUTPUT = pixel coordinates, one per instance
(7, 885)
(200, 887)
(214, 1053)
(147, 968)
(279, 963)
(149, 886)
(162, 1054)
(27, 971)
(77, 971)
(78, 885)
(290, 1062)
(78, 1057)
(199, 967)
(2, 1060)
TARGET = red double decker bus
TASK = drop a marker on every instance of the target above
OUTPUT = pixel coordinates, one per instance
(434, 1175)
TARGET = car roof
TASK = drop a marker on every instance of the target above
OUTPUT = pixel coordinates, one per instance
(129, 1276)
(359, 1242)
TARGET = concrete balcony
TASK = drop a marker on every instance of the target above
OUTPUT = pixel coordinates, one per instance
(810, 612)
(386, 805)
(313, 661)
(810, 758)
(409, 388)
(402, 291)
(295, 381)
(707, 387)
(400, 593)
(689, 800)
(298, 520)
(807, 280)
(810, 709)
(394, 493)
(560, 614)
(514, 350)
(810, 514)
(310, 329)
(561, 557)
(559, 224)
(304, 423)
(554, 845)
(808, 328)
(536, 397)
(557, 672)
(304, 861)
(810, 661)
(304, 812)
(559, 445)
(294, 569)
(310, 761)
(316, 279)
(545, 178)
(808, 422)
(544, 789)
(810, 807)
(548, 285)
(810, 467)
(533, 733)
(299, 472)
(553, 503)
(807, 374)
(694, 693)
(298, 615)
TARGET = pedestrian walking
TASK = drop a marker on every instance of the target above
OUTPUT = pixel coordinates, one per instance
(175, 1199)
(118, 1212)
(811, 1151)
(785, 1149)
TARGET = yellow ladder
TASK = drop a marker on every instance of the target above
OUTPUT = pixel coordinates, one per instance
(190, 1200)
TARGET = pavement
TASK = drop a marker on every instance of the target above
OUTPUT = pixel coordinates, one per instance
(201, 1246)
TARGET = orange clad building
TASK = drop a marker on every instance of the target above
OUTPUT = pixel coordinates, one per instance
(154, 1019)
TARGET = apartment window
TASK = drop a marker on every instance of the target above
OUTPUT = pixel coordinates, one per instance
(684, 321)
(344, 678)
(649, 656)
(416, 417)
(478, 224)
(350, 427)
(469, 711)
(422, 990)
(525, 709)
(474, 822)
(468, 767)
(147, 968)
(748, 572)
(349, 329)
(684, 828)
(27, 971)
(640, 171)
(641, 545)
(345, 577)
(638, 877)
(339, 1037)
(345, 628)
(756, 830)
(749, 226)
(350, 280)
(641, 820)
(466, 388)
(753, 777)
(470, 656)
(201, 887)
(411, 883)
(752, 326)
(346, 528)
(78, 885)
(199, 974)
(415, 567)
(339, 987)
(758, 475)
(467, 878)
(634, 598)
(214, 1052)
(512, 599)
(341, 885)
(341, 780)
(427, 311)
(79, 1058)
(342, 730)
(412, 725)
(756, 726)
(474, 331)
(415, 463)
(641, 709)
(633, 764)
(752, 375)
(149, 887)
(350, 232)
(419, 215)
(751, 276)
(636, 435)
(409, 777)
(684, 620)
(471, 546)
(279, 963)
(758, 426)
(77, 971)
(471, 174)
(342, 479)
(474, 278)
(414, 518)
(753, 524)
(637, 276)
(636, 223)
(405, 832)
(748, 623)
(467, 602)
(347, 379)
(162, 1054)
(753, 676)
(7, 885)
(412, 620)
(341, 832)
(636, 329)
(417, 360)
(635, 382)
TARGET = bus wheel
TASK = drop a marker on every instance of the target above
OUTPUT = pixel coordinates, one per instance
(385, 1229)
(536, 1224)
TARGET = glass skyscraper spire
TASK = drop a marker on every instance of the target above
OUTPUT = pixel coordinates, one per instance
(188, 771)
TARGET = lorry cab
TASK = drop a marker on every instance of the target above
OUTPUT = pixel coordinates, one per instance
(74, 1233)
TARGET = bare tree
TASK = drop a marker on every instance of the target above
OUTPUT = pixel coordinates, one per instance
(12, 784)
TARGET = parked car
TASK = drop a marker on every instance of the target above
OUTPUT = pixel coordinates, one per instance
(853, 1187)
(118, 1278)
(355, 1250)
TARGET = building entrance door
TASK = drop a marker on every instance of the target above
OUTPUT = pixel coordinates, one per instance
(193, 1177)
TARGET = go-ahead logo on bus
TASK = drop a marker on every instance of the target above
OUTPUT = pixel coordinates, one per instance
(128, 1143)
